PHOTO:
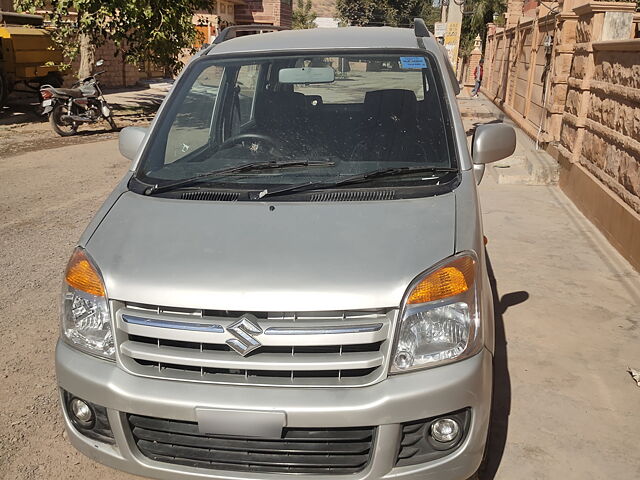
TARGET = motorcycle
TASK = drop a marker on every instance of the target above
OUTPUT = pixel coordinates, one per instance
(68, 108)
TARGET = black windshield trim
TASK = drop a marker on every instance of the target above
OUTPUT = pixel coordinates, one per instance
(248, 192)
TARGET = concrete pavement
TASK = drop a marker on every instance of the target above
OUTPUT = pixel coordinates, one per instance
(565, 407)
(568, 312)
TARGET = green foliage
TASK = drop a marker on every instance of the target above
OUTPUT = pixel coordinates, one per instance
(143, 30)
(476, 23)
(303, 16)
(397, 13)
(355, 12)
(400, 13)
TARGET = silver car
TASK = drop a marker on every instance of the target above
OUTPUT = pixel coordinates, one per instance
(291, 278)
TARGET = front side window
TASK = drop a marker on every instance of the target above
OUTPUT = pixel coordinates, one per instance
(336, 115)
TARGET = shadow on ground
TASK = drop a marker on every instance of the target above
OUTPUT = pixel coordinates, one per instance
(472, 130)
(21, 108)
(24, 108)
(24, 129)
(501, 407)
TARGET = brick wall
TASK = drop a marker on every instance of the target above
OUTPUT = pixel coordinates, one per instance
(272, 12)
(6, 5)
(117, 73)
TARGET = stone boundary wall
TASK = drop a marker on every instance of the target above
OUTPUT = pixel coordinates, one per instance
(610, 147)
(571, 80)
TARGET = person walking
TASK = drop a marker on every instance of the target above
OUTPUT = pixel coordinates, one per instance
(478, 73)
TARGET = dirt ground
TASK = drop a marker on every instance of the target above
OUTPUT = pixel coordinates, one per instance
(46, 199)
(567, 321)
(24, 129)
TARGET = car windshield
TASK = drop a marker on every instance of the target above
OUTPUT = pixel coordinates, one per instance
(333, 116)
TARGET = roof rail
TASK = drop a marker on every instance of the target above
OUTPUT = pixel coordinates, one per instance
(420, 28)
(230, 32)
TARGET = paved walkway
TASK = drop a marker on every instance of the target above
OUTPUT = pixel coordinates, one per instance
(570, 314)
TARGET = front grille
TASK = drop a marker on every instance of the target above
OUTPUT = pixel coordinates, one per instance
(328, 451)
(283, 349)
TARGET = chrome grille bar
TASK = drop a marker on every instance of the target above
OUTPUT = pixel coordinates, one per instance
(277, 334)
(328, 330)
(267, 361)
(192, 327)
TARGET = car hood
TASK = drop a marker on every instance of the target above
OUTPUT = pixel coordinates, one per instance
(278, 257)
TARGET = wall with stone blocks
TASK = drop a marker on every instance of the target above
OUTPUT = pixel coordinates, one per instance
(581, 100)
(611, 143)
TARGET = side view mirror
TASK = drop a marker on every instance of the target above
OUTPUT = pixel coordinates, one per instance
(491, 142)
(99, 63)
(130, 140)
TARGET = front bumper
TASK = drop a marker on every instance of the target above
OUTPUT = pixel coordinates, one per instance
(401, 398)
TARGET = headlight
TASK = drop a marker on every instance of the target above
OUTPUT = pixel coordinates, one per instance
(439, 320)
(86, 323)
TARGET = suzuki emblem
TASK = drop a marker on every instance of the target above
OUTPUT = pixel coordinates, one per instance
(244, 331)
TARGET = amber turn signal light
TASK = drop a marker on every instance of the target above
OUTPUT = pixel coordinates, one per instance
(452, 279)
(82, 275)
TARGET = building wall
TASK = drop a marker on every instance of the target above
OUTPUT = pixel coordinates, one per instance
(117, 74)
(270, 12)
(6, 5)
(579, 96)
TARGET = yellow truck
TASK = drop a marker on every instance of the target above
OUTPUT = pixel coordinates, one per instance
(27, 54)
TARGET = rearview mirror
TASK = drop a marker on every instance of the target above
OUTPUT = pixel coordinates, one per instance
(493, 142)
(307, 75)
(130, 140)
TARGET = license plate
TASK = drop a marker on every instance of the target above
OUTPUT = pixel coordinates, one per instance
(47, 103)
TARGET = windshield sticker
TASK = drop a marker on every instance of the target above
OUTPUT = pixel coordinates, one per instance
(413, 63)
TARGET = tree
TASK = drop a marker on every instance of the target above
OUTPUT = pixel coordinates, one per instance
(397, 13)
(476, 23)
(355, 12)
(400, 13)
(154, 30)
(303, 16)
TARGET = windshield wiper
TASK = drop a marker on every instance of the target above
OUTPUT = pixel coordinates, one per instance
(223, 172)
(354, 179)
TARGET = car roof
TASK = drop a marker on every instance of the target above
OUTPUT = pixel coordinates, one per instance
(324, 38)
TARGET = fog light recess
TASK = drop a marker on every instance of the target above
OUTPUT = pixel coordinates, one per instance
(81, 412)
(432, 438)
(88, 418)
(445, 430)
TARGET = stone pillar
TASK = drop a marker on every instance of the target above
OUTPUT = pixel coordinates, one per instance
(564, 44)
(489, 57)
(474, 61)
(514, 12)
